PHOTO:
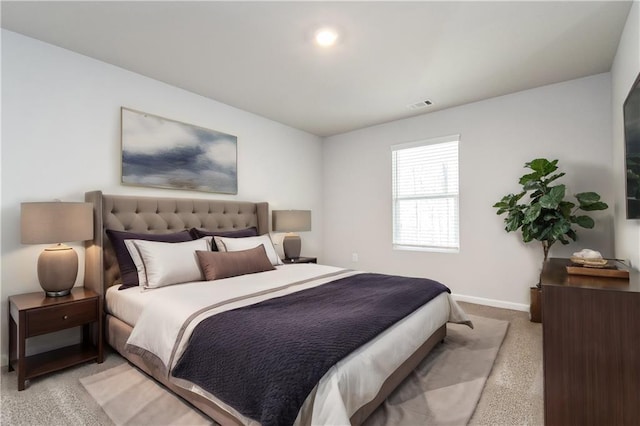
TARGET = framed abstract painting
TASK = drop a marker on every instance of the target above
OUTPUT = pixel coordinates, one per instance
(163, 153)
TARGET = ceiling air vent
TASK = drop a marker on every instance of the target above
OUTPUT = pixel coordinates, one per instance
(420, 105)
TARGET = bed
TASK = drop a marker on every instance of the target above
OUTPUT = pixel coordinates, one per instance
(156, 329)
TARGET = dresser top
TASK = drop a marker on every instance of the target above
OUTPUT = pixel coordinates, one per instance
(555, 273)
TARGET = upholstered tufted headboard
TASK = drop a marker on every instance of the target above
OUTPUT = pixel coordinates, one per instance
(158, 216)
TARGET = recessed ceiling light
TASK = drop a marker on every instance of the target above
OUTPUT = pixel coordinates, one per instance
(326, 37)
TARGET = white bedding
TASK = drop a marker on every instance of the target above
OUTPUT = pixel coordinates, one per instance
(164, 318)
(127, 304)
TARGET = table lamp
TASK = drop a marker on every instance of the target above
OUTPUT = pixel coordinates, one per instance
(56, 222)
(291, 221)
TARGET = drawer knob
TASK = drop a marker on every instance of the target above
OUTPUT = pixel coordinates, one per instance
(65, 317)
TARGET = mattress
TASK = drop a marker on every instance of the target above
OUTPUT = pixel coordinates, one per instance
(128, 304)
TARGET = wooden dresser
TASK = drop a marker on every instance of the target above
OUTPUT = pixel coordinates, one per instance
(591, 338)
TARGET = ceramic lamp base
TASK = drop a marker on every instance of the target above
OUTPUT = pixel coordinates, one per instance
(57, 270)
(291, 245)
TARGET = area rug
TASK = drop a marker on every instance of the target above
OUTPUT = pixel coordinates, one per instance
(446, 387)
(130, 397)
(443, 390)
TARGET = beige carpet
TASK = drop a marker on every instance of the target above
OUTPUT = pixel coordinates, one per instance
(443, 390)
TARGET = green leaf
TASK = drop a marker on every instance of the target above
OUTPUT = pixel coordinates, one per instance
(537, 194)
(527, 234)
(553, 197)
(542, 166)
(554, 177)
(595, 206)
(513, 221)
(566, 207)
(532, 185)
(559, 229)
(572, 234)
(585, 198)
(507, 201)
(545, 233)
(532, 213)
(530, 177)
(584, 221)
(512, 199)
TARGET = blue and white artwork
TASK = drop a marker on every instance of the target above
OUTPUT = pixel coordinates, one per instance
(165, 153)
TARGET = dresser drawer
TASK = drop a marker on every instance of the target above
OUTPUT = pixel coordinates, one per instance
(54, 318)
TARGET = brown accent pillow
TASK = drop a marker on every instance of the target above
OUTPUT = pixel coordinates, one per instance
(217, 265)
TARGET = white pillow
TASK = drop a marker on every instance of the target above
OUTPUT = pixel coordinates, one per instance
(160, 264)
(137, 260)
(245, 243)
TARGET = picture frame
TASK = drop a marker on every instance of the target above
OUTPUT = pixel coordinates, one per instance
(164, 153)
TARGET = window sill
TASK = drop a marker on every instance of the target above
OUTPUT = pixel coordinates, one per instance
(426, 249)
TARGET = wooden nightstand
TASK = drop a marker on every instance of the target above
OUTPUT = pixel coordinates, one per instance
(301, 260)
(34, 314)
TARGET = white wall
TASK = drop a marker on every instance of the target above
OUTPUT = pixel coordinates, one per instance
(624, 71)
(60, 138)
(569, 121)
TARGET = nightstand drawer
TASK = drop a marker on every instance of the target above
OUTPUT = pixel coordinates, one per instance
(54, 318)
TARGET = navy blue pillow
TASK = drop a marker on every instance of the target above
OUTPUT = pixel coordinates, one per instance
(128, 271)
(240, 233)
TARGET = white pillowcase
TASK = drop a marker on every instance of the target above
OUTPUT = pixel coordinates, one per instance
(137, 260)
(245, 243)
(160, 264)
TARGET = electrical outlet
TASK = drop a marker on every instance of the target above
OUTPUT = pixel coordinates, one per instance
(354, 257)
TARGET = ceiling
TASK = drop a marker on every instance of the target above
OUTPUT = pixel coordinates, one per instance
(260, 57)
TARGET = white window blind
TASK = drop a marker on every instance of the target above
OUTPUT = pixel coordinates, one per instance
(425, 195)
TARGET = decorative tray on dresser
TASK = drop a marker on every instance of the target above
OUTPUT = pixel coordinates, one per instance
(611, 268)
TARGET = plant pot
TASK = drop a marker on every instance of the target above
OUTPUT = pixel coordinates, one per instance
(535, 306)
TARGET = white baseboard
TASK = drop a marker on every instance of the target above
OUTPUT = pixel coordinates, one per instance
(491, 302)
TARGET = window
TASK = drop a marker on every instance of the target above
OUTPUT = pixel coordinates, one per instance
(425, 195)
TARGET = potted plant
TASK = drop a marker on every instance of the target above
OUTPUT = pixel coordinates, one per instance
(546, 216)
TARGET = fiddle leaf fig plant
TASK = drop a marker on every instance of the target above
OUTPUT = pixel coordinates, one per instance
(546, 216)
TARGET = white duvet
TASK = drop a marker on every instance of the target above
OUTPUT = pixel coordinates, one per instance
(169, 315)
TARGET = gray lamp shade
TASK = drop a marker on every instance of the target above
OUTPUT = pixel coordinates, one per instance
(291, 221)
(56, 222)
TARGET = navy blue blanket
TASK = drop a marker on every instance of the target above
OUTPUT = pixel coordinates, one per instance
(265, 359)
